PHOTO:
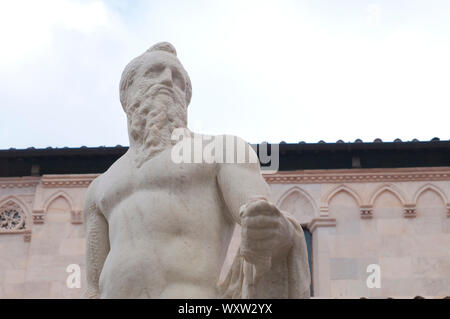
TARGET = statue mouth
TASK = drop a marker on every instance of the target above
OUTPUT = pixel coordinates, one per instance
(165, 90)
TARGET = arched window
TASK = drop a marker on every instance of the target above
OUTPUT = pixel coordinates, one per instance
(12, 217)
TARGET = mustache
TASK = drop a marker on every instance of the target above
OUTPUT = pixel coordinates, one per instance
(156, 89)
(147, 95)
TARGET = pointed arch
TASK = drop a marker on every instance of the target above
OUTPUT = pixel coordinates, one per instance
(294, 190)
(14, 202)
(391, 189)
(345, 189)
(54, 196)
(432, 188)
(303, 213)
(17, 201)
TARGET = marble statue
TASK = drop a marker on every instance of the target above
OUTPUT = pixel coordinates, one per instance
(157, 228)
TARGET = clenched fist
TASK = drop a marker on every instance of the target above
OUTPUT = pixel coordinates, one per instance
(266, 233)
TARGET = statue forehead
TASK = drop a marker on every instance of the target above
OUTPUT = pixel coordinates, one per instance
(160, 57)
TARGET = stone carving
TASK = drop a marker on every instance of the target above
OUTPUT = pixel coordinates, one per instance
(361, 175)
(12, 217)
(409, 211)
(299, 203)
(38, 217)
(366, 211)
(75, 217)
(366, 204)
(157, 228)
(27, 235)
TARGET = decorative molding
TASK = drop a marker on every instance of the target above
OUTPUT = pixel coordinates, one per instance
(76, 217)
(342, 188)
(366, 211)
(321, 222)
(409, 211)
(345, 189)
(360, 175)
(38, 216)
(433, 188)
(303, 216)
(390, 189)
(294, 190)
(55, 195)
(27, 236)
(17, 222)
(323, 211)
(73, 180)
(19, 182)
(12, 217)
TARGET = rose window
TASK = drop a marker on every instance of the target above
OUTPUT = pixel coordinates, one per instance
(12, 217)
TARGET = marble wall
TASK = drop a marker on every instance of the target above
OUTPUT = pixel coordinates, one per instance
(33, 265)
(395, 219)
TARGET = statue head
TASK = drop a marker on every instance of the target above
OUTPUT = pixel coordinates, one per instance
(155, 91)
(151, 68)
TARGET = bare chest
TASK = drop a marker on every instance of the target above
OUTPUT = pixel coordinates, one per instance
(159, 176)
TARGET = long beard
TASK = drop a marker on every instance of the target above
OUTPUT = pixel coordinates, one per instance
(152, 121)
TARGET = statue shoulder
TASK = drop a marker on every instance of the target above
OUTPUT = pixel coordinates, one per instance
(90, 201)
(116, 169)
(243, 152)
(96, 190)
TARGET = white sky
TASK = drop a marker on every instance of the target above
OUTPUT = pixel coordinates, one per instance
(263, 70)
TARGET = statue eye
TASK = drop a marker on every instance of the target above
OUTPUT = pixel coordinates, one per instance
(154, 70)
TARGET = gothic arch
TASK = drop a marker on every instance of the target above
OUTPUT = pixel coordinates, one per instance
(16, 200)
(304, 215)
(54, 196)
(433, 188)
(345, 189)
(294, 190)
(12, 201)
(388, 188)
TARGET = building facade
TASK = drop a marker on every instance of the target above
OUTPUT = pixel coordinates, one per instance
(377, 217)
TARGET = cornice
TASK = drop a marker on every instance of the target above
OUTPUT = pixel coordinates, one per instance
(58, 181)
(360, 175)
(19, 182)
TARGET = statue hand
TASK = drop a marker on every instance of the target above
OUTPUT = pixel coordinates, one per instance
(266, 233)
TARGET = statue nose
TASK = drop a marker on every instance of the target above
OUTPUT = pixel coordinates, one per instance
(166, 77)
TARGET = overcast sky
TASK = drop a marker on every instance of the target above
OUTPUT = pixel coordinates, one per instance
(263, 70)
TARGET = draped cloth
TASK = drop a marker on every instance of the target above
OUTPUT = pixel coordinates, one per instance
(288, 277)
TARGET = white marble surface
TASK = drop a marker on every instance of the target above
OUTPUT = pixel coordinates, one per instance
(161, 229)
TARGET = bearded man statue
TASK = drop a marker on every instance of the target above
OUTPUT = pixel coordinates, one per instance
(160, 228)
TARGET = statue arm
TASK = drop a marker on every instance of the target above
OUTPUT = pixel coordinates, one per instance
(248, 199)
(272, 260)
(97, 243)
(239, 183)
